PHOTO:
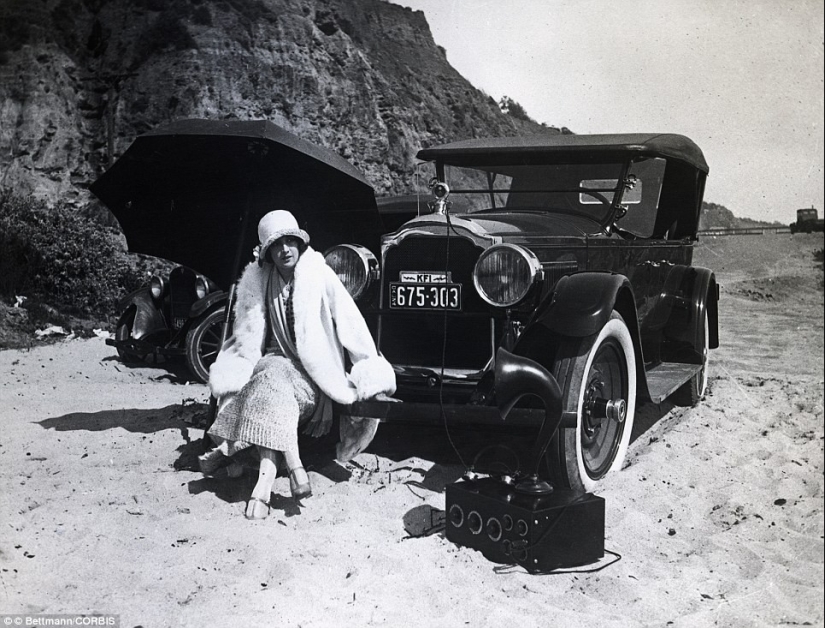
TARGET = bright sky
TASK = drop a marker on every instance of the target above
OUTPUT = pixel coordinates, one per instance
(742, 78)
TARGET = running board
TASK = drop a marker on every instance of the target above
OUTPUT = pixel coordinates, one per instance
(663, 380)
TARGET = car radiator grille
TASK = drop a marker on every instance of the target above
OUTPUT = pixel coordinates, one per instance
(181, 295)
(417, 338)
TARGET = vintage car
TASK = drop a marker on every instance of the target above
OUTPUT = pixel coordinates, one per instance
(807, 221)
(552, 273)
(176, 316)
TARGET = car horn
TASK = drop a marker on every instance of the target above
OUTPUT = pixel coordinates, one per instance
(516, 377)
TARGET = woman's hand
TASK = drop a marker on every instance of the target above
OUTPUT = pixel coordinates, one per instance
(386, 397)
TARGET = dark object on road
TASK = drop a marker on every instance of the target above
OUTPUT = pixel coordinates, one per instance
(807, 221)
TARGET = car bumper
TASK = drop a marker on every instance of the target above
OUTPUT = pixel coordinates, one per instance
(416, 412)
(515, 378)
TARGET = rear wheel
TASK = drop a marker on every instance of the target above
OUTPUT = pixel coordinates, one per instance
(203, 342)
(692, 391)
(597, 376)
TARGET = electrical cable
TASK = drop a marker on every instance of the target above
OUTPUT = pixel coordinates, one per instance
(444, 356)
(507, 469)
(526, 547)
(452, 229)
(511, 568)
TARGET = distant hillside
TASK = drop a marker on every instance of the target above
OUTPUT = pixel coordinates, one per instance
(80, 79)
(716, 216)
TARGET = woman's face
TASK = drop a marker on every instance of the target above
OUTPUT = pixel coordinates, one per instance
(284, 253)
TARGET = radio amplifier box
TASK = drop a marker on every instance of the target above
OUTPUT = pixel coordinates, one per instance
(540, 533)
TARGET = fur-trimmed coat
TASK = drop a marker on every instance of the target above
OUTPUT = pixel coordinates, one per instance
(327, 322)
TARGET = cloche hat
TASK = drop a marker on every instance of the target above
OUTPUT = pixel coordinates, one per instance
(277, 224)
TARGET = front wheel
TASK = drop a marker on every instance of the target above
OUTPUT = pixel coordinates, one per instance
(597, 376)
(203, 342)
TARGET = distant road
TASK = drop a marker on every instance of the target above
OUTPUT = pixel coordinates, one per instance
(745, 231)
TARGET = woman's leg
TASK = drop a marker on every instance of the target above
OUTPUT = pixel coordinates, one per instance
(220, 455)
(299, 484)
(270, 407)
(257, 507)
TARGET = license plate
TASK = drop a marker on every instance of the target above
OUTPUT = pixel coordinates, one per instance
(431, 276)
(418, 296)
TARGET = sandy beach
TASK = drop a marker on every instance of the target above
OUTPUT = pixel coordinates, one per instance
(717, 515)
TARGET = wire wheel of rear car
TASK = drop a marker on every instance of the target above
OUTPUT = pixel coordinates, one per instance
(692, 391)
(597, 376)
(203, 343)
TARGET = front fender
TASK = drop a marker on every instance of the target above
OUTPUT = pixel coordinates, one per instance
(148, 319)
(202, 305)
(581, 304)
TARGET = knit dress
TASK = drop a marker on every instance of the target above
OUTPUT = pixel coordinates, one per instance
(280, 395)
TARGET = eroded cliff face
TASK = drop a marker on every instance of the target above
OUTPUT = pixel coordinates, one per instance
(80, 79)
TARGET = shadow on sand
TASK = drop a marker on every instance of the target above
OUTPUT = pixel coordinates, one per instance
(140, 421)
(172, 370)
(451, 449)
(503, 449)
(318, 455)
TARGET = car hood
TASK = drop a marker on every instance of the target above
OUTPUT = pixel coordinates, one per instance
(516, 224)
(507, 226)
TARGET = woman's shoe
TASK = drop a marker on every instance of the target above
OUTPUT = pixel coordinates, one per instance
(299, 490)
(211, 461)
(252, 508)
(234, 470)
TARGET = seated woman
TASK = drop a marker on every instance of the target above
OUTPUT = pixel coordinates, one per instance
(284, 364)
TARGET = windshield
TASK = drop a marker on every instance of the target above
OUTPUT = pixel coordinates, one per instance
(585, 190)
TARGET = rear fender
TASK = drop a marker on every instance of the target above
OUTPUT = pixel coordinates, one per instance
(683, 331)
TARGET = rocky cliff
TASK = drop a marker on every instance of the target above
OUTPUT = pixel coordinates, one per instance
(80, 79)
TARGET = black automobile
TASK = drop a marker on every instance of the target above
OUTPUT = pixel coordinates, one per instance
(552, 275)
(180, 315)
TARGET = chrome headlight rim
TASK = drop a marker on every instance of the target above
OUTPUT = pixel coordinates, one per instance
(366, 260)
(533, 266)
(157, 287)
(202, 287)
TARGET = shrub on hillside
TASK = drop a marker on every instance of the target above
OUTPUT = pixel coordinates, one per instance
(514, 109)
(60, 257)
(166, 33)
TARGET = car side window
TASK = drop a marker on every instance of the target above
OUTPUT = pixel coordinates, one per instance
(642, 200)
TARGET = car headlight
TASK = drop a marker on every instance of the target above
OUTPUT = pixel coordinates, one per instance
(505, 273)
(201, 286)
(355, 266)
(157, 287)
